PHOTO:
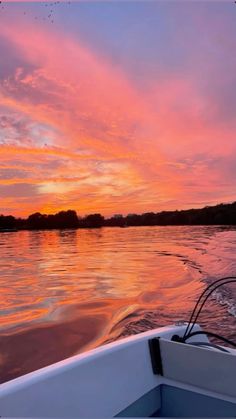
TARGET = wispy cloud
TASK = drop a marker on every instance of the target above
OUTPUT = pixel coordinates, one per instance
(76, 130)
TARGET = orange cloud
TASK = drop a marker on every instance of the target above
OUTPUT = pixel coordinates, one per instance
(93, 141)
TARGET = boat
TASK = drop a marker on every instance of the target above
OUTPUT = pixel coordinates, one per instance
(173, 371)
(140, 376)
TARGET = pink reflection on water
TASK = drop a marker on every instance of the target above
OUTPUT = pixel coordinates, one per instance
(64, 291)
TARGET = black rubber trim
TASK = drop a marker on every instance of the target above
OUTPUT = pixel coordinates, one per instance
(155, 353)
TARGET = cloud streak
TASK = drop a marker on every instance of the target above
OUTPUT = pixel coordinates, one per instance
(77, 131)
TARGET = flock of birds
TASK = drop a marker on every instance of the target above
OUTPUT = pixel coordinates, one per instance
(48, 9)
(51, 7)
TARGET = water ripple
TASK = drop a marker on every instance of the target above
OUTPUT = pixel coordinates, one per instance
(131, 279)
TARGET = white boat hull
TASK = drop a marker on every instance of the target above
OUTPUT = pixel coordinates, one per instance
(117, 379)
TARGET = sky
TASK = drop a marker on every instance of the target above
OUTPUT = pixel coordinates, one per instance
(117, 107)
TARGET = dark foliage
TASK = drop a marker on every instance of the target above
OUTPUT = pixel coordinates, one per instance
(92, 221)
(222, 214)
(63, 219)
(7, 222)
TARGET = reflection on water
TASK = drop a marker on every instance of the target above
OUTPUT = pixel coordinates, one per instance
(64, 291)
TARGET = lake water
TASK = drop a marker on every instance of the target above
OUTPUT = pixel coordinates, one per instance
(65, 291)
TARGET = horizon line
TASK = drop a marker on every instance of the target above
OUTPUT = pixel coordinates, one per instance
(121, 215)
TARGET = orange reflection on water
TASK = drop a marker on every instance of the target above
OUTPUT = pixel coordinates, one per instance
(64, 291)
(26, 316)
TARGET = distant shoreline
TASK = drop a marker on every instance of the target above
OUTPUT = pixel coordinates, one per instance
(222, 214)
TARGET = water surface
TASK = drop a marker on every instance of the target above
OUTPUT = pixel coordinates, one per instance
(66, 291)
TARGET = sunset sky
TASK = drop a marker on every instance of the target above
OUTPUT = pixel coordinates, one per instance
(117, 107)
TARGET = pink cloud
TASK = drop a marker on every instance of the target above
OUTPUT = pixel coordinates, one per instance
(80, 121)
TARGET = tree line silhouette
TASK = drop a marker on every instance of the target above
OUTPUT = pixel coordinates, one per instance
(222, 214)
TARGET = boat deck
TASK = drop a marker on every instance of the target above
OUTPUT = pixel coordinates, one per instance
(170, 401)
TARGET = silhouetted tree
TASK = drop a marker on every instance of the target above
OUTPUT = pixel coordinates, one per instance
(66, 219)
(222, 214)
(116, 221)
(7, 221)
(94, 221)
(36, 220)
(63, 219)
